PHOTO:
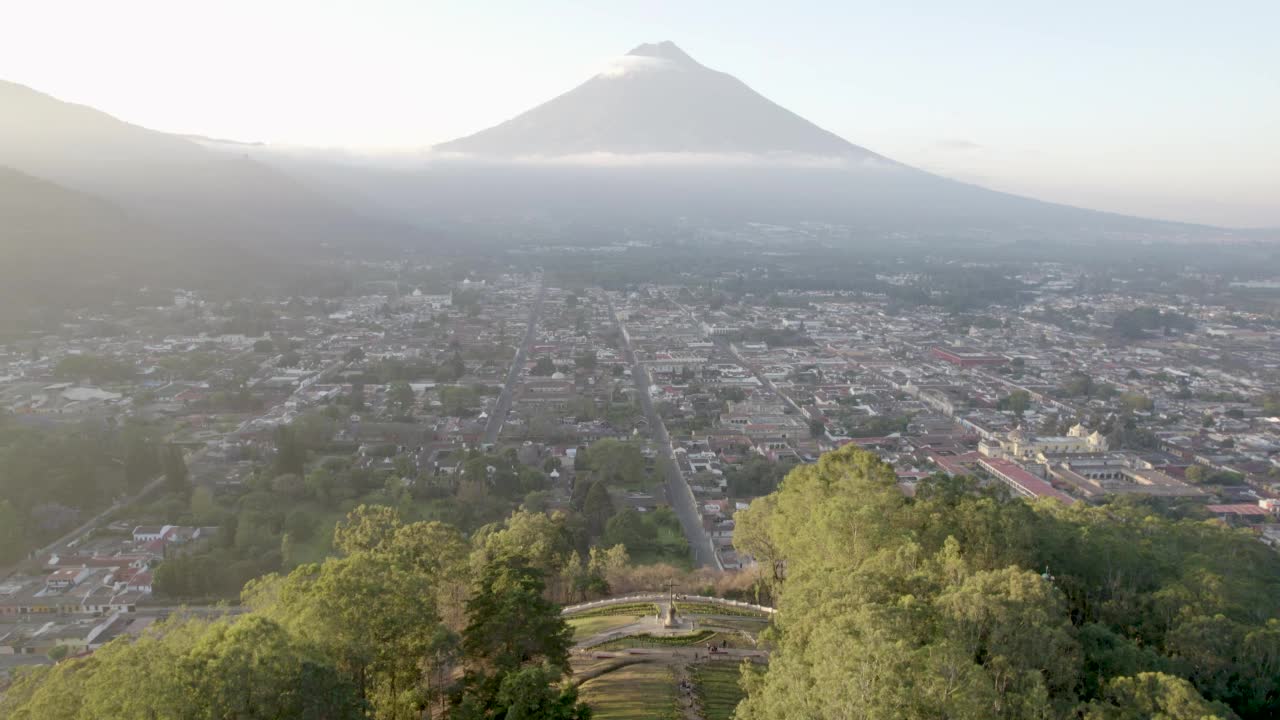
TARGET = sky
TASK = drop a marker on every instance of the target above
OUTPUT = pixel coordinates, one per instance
(1164, 109)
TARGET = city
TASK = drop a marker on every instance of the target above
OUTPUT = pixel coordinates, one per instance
(682, 402)
(458, 361)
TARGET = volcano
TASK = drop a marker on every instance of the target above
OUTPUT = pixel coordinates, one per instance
(658, 99)
(659, 135)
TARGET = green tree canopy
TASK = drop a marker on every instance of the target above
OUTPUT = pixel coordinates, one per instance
(960, 603)
(400, 398)
(248, 668)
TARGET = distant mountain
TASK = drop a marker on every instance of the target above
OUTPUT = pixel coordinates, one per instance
(657, 99)
(205, 140)
(60, 247)
(41, 221)
(659, 137)
(201, 195)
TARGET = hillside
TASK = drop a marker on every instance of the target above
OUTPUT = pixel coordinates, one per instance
(202, 196)
(62, 245)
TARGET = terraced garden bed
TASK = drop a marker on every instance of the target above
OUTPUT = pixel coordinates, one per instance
(706, 608)
(634, 692)
(623, 609)
(716, 685)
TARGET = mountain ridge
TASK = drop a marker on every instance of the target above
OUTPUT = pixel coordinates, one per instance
(203, 196)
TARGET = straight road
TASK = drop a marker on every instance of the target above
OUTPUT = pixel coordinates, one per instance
(146, 490)
(678, 491)
(499, 415)
(88, 525)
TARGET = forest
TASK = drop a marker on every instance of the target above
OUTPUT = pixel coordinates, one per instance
(959, 603)
(408, 619)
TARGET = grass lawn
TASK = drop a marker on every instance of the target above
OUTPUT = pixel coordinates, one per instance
(717, 687)
(635, 692)
(585, 627)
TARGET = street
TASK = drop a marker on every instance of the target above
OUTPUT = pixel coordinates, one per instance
(678, 491)
(499, 415)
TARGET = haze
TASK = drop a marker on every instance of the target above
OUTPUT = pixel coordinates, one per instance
(1161, 110)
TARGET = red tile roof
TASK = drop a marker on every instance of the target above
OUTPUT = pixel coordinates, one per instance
(1022, 481)
(1237, 509)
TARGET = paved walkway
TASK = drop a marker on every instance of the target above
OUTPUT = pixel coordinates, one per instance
(653, 625)
(660, 597)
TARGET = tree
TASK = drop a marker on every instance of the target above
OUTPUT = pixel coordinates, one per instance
(440, 553)
(1049, 424)
(459, 400)
(1155, 695)
(542, 541)
(509, 595)
(400, 398)
(537, 501)
(515, 647)
(1196, 474)
(203, 507)
(374, 620)
(927, 607)
(313, 430)
(368, 527)
(531, 694)
(264, 346)
(291, 456)
(141, 462)
(628, 529)
(1014, 621)
(1016, 402)
(608, 564)
(586, 361)
(175, 471)
(323, 485)
(616, 462)
(300, 524)
(96, 368)
(757, 476)
(1078, 384)
(817, 427)
(11, 541)
(248, 668)
(452, 370)
(543, 367)
(1136, 402)
(597, 507)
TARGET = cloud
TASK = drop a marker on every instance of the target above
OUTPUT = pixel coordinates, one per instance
(674, 159)
(410, 158)
(631, 64)
(958, 145)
